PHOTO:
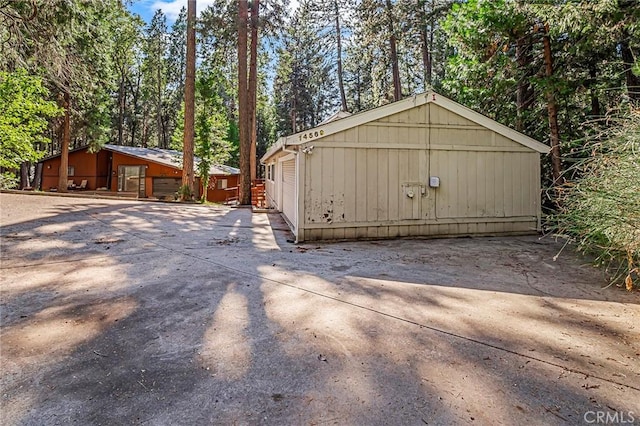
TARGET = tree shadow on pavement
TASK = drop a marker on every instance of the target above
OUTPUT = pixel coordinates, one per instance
(206, 315)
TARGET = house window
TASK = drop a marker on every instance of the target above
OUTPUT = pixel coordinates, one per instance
(272, 172)
(222, 184)
(71, 171)
(132, 179)
(268, 171)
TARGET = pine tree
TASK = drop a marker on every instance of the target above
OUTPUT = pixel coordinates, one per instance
(187, 189)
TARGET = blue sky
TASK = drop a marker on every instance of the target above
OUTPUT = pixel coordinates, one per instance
(171, 8)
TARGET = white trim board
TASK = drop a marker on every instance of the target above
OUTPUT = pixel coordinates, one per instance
(361, 118)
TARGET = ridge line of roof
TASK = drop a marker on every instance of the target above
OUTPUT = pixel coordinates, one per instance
(396, 107)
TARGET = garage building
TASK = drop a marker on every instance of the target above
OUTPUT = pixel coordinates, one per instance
(423, 166)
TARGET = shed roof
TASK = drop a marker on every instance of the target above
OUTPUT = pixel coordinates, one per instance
(167, 157)
(329, 128)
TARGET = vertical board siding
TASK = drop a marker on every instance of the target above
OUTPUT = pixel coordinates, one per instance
(485, 184)
(394, 184)
(350, 197)
(327, 180)
(356, 192)
(339, 183)
(289, 205)
(371, 179)
(382, 186)
(361, 185)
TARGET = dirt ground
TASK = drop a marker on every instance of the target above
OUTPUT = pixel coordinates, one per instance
(127, 312)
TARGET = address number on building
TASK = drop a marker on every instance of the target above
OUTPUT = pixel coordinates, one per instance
(311, 135)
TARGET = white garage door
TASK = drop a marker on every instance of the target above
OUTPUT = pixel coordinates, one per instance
(289, 205)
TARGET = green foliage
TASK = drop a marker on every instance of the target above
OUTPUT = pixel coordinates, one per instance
(482, 74)
(184, 193)
(210, 129)
(212, 145)
(23, 118)
(8, 180)
(600, 211)
(305, 93)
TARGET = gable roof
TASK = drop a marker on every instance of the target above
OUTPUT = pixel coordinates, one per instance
(358, 119)
(336, 116)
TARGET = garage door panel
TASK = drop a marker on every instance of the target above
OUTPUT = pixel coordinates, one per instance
(289, 207)
(163, 187)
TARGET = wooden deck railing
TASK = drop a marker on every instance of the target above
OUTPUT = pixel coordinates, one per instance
(258, 198)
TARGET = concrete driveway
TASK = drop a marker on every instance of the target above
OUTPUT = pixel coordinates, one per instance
(126, 312)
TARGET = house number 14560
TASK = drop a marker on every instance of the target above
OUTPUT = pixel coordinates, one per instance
(311, 135)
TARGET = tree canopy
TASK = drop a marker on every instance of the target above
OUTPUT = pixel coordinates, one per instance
(24, 117)
(552, 69)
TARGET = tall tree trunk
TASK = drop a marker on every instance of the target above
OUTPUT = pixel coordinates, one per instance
(159, 110)
(37, 178)
(253, 85)
(426, 39)
(426, 59)
(524, 93)
(64, 143)
(343, 97)
(397, 88)
(189, 105)
(358, 90)
(24, 175)
(145, 128)
(552, 110)
(633, 81)
(243, 109)
(135, 92)
(121, 105)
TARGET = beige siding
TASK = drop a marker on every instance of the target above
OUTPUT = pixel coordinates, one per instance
(269, 190)
(372, 181)
(461, 137)
(413, 116)
(485, 184)
(441, 116)
(509, 227)
(289, 201)
(365, 185)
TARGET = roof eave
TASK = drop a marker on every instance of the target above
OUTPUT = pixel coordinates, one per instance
(397, 107)
(489, 123)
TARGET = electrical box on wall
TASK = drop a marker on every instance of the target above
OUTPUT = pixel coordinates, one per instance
(434, 181)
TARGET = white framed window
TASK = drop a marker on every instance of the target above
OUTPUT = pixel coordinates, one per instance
(222, 184)
(71, 171)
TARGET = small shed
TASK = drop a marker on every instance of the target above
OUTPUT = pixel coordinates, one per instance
(423, 166)
(144, 172)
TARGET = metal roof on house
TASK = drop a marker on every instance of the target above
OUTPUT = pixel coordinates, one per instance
(360, 118)
(169, 157)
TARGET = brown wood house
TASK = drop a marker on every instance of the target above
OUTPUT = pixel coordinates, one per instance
(141, 172)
